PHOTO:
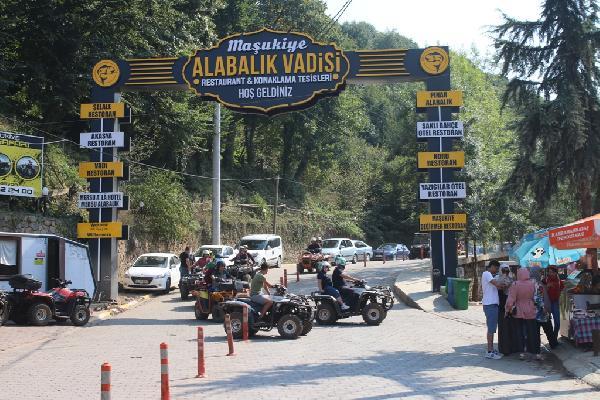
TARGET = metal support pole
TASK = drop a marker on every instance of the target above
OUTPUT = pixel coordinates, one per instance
(276, 204)
(216, 194)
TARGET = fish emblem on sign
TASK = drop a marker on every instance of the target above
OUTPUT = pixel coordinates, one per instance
(267, 72)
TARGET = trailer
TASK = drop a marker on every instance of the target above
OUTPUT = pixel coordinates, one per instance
(45, 257)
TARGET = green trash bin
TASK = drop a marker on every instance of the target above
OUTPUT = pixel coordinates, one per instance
(461, 293)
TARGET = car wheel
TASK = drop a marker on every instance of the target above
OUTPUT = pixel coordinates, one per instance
(184, 293)
(39, 314)
(290, 326)
(168, 286)
(354, 259)
(198, 311)
(4, 312)
(306, 327)
(80, 315)
(236, 325)
(373, 314)
(278, 265)
(326, 314)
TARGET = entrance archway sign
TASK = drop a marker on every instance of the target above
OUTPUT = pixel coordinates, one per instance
(270, 72)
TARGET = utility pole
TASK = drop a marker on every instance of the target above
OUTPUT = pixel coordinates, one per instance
(216, 184)
(275, 205)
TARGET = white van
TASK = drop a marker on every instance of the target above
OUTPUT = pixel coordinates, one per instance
(266, 249)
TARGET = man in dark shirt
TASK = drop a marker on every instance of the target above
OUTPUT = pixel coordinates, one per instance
(243, 256)
(186, 262)
(314, 246)
(326, 286)
(339, 279)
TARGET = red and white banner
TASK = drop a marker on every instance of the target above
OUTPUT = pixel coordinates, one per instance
(579, 235)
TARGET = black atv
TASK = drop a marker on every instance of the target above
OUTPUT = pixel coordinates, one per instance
(291, 314)
(190, 282)
(372, 302)
(243, 270)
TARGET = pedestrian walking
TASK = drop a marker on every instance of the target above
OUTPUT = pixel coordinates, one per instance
(491, 304)
(521, 295)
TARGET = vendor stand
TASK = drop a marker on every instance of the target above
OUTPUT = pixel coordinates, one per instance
(580, 300)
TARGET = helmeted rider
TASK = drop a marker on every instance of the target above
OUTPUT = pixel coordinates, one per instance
(219, 274)
(339, 279)
(326, 286)
(314, 246)
(203, 261)
(243, 256)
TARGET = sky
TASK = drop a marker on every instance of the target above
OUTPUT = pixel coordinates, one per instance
(460, 24)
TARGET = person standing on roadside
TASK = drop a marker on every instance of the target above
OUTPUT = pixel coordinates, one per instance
(186, 262)
(521, 296)
(491, 304)
(555, 287)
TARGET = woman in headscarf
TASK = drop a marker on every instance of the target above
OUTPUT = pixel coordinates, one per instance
(508, 327)
(520, 296)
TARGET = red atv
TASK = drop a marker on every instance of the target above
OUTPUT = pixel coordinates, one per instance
(26, 304)
(308, 261)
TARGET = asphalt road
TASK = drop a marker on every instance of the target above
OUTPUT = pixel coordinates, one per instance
(412, 354)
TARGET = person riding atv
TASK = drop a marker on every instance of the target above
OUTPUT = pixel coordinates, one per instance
(203, 261)
(243, 256)
(326, 286)
(339, 278)
(244, 266)
(218, 288)
(314, 246)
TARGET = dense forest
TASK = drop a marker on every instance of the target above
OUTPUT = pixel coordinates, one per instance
(348, 162)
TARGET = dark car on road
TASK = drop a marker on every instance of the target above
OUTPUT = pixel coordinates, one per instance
(391, 251)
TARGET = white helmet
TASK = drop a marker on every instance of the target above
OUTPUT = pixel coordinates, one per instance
(325, 264)
(313, 239)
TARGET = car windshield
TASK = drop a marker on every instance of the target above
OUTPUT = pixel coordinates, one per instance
(254, 244)
(387, 246)
(330, 244)
(215, 250)
(151, 261)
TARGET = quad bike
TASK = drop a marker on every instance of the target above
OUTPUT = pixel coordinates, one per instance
(307, 261)
(243, 270)
(28, 305)
(372, 303)
(210, 302)
(291, 314)
(189, 283)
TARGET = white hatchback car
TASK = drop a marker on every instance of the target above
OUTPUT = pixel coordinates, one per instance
(153, 271)
(340, 247)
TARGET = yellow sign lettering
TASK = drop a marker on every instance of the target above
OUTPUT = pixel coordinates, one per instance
(439, 98)
(448, 159)
(442, 222)
(99, 230)
(91, 170)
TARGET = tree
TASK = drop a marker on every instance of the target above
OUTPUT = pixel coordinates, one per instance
(554, 61)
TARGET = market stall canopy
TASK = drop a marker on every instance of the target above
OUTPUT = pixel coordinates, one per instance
(535, 250)
(584, 233)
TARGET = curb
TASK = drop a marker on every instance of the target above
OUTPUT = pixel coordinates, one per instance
(106, 314)
(404, 297)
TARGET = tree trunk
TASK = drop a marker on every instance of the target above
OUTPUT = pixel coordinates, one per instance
(584, 195)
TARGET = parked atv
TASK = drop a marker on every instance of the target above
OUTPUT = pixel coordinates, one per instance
(211, 302)
(291, 314)
(28, 305)
(307, 261)
(243, 270)
(189, 283)
(372, 303)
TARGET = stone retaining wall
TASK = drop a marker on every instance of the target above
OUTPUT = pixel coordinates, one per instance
(37, 223)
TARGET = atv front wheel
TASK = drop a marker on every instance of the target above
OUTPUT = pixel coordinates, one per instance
(80, 315)
(198, 311)
(290, 326)
(184, 292)
(300, 268)
(217, 313)
(39, 314)
(236, 325)
(306, 327)
(373, 314)
(326, 314)
(4, 312)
